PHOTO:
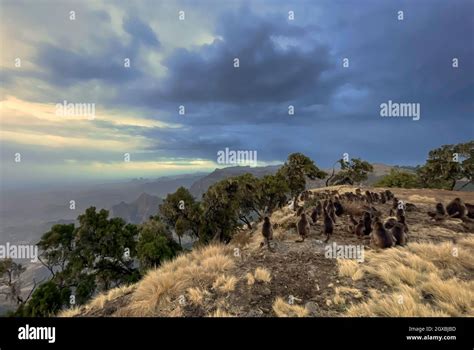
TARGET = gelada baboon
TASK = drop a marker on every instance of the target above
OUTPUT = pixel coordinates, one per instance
(470, 210)
(399, 233)
(328, 225)
(338, 208)
(367, 223)
(389, 223)
(303, 227)
(456, 208)
(267, 231)
(314, 215)
(439, 214)
(360, 228)
(380, 237)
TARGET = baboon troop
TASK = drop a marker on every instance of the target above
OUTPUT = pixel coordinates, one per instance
(364, 221)
(454, 209)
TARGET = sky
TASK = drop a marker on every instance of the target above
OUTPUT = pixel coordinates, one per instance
(290, 53)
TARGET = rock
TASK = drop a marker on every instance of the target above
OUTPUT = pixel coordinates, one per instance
(266, 291)
(312, 308)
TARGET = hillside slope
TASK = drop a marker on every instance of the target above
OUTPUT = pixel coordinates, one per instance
(432, 276)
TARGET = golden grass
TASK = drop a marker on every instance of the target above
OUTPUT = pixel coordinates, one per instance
(155, 291)
(250, 279)
(220, 313)
(421, 199)
(415, 275)
(262, 274)
(70, 312)
(225, 284)
(196, 295)
(350, 268)
(283, 309)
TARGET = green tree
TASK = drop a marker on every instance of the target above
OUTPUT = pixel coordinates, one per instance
(296, 169)
(181, 212)
(354, 171)
(155, 244)
(448, 164)
(272, 193)
(10, 280)
(46, 301)
(221, 209)
(400, 179)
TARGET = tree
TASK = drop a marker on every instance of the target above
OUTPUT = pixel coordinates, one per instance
(10, 281)
(220, 216)
(448, 164)
(400, 179)
(354, 171)
(180, 211)
(104, 248)
(155, 244)
(46, 301)
(296, 169)
(272, 193)
(57, 247)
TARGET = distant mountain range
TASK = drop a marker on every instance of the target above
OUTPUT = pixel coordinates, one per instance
(201, 185)
(137, 211)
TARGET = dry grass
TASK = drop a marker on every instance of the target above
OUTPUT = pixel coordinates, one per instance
(416, 275)
(220, 313)
(154, 293)
(224, 283)
(421, 199)
(70, 312)
(350, 268)
(263, 275)
(283, 309)
(196, 295)
(250, 279)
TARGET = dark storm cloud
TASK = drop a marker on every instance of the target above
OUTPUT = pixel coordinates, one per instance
(141, 31)
(267, 72)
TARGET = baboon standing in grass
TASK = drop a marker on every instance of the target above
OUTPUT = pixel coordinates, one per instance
(367, 223)
(303, 228)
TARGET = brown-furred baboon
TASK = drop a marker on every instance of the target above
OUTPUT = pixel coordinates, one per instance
(303, 227)
(300, 211)
(267, 231)
(394, 203)
(470, 210)
(456, 208)
(328, 225)
(380, 237)
(360, 228)
(439, 214)
(390, 222)
(314, 215)
(338, 208)
(319, 208)
(367, 223)
(399, 233)
(383, 199)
